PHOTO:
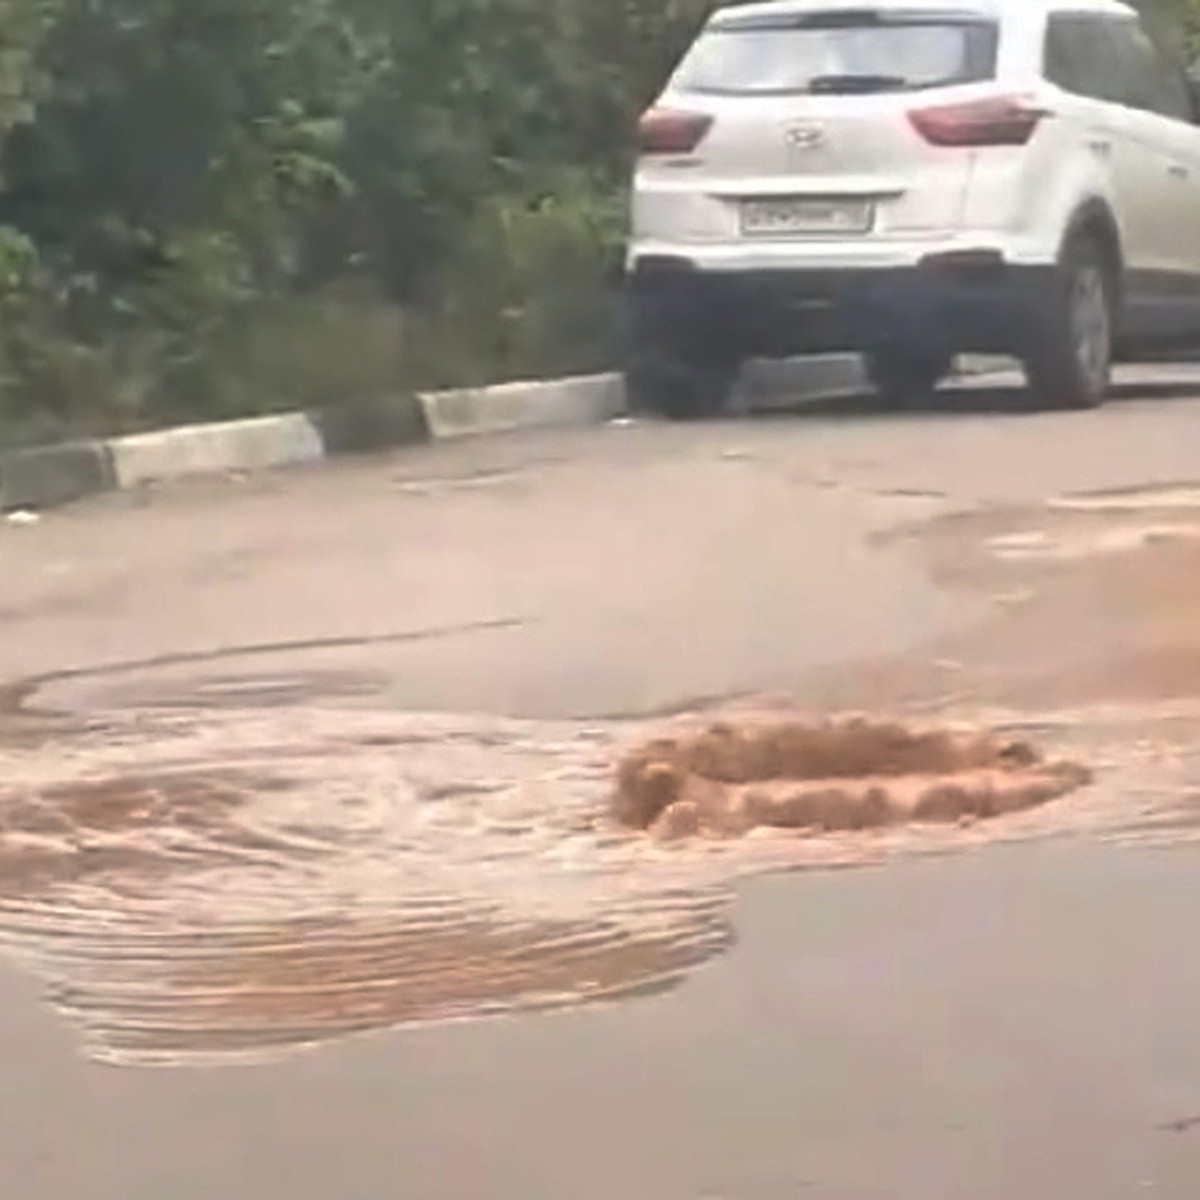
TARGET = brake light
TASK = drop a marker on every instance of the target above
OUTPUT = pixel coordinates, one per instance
(671, 131)
(1007, 121)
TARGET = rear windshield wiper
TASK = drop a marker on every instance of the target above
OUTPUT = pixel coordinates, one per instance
(830, 85)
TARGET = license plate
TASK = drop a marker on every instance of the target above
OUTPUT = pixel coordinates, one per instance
(793, 217)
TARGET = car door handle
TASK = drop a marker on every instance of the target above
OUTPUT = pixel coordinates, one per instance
(1178, 171)
(1101, 146)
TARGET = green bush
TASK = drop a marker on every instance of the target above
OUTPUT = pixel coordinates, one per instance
(530, 290)
(214, 207)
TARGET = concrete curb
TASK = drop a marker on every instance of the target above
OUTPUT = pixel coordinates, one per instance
(584, 400)
(54, 475)
(254, 445)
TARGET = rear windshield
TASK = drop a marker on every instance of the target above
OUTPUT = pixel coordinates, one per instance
(839, 52)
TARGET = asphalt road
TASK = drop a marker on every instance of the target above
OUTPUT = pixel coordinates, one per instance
(1003, 1021)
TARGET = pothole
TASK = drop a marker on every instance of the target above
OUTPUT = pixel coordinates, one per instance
(839, 777)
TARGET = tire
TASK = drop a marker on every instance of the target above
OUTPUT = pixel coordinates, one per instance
(903, 378)
(679, 392)
(1069, 362)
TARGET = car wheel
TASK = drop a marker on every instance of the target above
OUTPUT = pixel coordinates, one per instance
(1069, 365)
(903, 378)
(679, 392)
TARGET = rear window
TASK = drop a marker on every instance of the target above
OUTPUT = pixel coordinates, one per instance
(839, 52)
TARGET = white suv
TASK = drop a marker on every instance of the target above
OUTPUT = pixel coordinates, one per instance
(912, 181)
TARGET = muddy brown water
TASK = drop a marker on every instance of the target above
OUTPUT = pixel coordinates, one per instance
(258, 863)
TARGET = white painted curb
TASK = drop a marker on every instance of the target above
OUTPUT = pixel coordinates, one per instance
(257, 444)
(584, 400)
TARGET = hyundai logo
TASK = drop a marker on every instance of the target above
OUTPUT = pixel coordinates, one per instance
(805, 137)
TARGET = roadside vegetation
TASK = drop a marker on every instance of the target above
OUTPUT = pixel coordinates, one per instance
(217, 207)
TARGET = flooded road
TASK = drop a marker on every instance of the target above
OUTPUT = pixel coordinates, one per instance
(305, 758)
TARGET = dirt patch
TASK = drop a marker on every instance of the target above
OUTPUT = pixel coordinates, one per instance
(842, 776)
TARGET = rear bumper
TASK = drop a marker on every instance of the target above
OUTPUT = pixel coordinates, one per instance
(946, 304)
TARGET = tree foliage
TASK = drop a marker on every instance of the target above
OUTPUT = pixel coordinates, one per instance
(174, 173)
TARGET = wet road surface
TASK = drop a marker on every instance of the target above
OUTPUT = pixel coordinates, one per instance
(389, 693)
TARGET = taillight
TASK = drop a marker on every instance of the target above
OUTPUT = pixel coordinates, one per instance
(670, 131)
(1007, 121)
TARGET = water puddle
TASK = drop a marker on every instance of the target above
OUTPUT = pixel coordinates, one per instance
(213, 886)
(206, 884)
